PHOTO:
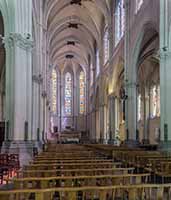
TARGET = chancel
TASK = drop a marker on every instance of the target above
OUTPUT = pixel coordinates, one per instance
(85, 99)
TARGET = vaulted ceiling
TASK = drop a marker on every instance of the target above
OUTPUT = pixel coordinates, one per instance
(74, 29)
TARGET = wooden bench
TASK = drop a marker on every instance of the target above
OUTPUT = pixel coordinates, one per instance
(72, 165)
(74, 181)
(130, 192)
(74, 172)
(45, 161)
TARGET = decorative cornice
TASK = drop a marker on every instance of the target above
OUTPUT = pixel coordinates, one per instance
(25, 43)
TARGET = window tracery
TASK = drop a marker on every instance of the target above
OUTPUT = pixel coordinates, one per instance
(68, 93)
(139, 107)
(106, 46)
(82, 92)
(119, 20)
(54, 91)
(155, 101)
(138, 5)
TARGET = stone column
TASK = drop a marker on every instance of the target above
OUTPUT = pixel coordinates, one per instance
(165, 75)
(36, 128)
(165, 98)
(102, 123)
(21, 84)
(93, 113)
(111, 118)
(18, 46)
(101, 108)
(146, 116)
(130, 85)
(131, 113)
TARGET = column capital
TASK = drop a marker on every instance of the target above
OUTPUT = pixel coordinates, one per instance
(164, 53)
(18, 39)
(130, 84)
(37, 79)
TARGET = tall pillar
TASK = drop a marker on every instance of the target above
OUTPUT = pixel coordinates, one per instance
(146, 115)
(18, 46)
(35, 127)
(111, 118)
(102, 113)
(19, 87)
(131, 113)
(101, 109)
(165, 87)
(130, 84)
(165, 76)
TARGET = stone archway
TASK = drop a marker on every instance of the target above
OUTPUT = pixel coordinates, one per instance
(131, 84)
(148, 77)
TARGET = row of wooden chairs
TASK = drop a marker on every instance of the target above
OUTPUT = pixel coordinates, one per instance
(94, 172)
(131, 192)
(154, 162)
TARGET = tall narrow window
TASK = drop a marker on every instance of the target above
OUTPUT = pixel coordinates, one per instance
(106, 46)
(97, 63)
(153, 100)
(82, 92)
(91, 75)
(158, 101)
(139, 107)
(54, 91)
(138, 5)
(68, 94)
(119, 20)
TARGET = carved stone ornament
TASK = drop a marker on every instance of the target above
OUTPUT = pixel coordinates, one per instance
(19, 40)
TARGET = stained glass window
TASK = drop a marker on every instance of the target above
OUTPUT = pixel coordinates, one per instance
(119, 20)
(82, 92)
(54, 91)
(91, 75)
(138, 5)
(158, 101)
(139, 107)
(68, 93)
(97, 63)
(106, 46)
(153, 100)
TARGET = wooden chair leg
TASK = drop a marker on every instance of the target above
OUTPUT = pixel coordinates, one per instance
(102, 195)
(113, 194)
(132, 194)
(4, 197)
(160, 193)
(39, 196)
(72, 195)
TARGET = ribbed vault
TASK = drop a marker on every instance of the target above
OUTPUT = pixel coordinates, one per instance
(74, 28)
